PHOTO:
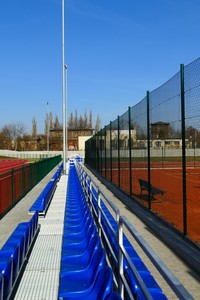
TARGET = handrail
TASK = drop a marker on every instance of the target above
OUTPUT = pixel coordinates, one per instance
(170, 278)
(93, 191)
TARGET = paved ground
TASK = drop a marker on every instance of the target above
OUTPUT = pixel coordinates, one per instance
(186, 275)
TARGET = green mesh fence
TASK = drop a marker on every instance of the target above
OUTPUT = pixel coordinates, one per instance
(152, 151)
(192, 134)
(17, 182)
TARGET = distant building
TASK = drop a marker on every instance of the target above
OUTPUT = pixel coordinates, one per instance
(160, 130)
(75, 138)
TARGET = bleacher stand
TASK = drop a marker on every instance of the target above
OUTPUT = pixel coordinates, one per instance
(43, 201)
(14, 253)
(84, 273)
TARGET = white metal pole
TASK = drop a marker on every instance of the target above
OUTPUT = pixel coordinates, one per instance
(63, 89)
(66, 119)
(47, 116)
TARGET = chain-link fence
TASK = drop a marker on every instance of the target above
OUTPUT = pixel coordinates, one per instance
(152, 151)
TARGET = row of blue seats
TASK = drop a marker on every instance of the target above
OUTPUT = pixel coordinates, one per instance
(57, 174)
(43, 201)
(111, 230)
(84, 273)
(14, 253)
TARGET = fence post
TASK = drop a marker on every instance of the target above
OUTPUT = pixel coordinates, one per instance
(118, 148)
(130, 156)
(120, 260)
(31, 176)
(183, 150)
(110, 151)
(23, 181)
(90, 195)
(13, 186)
(97, 152)
(105, 156)
(101, 145)
(148, 152)
(99, 212)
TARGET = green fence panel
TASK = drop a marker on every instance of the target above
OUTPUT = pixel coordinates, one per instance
(157, 142)
(15, 183)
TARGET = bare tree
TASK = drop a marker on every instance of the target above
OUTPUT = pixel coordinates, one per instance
(56, 122)
(46, 124)
(76, 120)
(71, 121)
(97, 126)
(5, 141)
(85, 120)
(81, 122)
(34, 128)
(50, 120)
(13, 132)
(90, 120)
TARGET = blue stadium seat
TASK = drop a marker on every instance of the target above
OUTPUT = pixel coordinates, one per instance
(80, 232)
(42, 202)
(103, 285)
(6, 271)
(148, 280)
(1, 286)
(80, 237)
(80, 283)
(113, 296)
(83, 274)
(80, 245)
(78, 220)
(14, 252)
(138, 263)
(156, 295)
(23, 231)
(29, 229)
(14, 256)
(57, 175)
(80, 261)
(16, 243)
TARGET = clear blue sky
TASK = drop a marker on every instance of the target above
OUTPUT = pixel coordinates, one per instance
(115, 50)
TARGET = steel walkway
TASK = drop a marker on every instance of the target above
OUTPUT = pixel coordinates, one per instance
(40, 279)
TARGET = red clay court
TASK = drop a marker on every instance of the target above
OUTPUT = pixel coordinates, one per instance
(7, 164)
(167, 177)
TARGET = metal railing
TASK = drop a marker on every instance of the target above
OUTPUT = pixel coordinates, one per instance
(99, 204)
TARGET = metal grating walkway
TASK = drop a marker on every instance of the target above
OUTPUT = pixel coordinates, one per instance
(40, 279)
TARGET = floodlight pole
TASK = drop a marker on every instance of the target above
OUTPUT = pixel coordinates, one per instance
(66, 119)
(63, 90)
(47, 120)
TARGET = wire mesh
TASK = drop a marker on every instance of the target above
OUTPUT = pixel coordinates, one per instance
(148, 144)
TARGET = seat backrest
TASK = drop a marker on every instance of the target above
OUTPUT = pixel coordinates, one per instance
(113, 296)
(103, 285)
(97, 262)
(94, 244)
(1, 287)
